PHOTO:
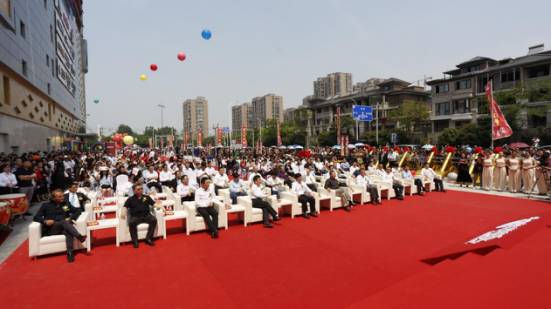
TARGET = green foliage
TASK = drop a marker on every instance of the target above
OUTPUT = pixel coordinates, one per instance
(123, 128)
(411, 114)
(538, 91)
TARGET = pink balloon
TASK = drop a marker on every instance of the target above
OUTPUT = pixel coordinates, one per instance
(181, 56)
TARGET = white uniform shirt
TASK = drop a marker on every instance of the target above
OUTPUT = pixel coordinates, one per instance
(428, 173)
(166, 176)
(204, 198)
(257, 192)
(183, 190)
(8, 180)
(300, 188)
(221, 180)
(364, 180)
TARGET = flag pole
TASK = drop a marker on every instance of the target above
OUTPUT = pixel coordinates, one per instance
(490, 105)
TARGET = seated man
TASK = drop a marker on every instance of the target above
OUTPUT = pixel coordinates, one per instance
(428, 173)
(74, 198)
(204, 202)
(220, 180)
(259, 199)
(237, 188)
(363, 180)
(57, 218)
(407, 176)
(139, 208)
(389, 177)
(310, 179)
(305, 197)
(333, 184)
(184, 190)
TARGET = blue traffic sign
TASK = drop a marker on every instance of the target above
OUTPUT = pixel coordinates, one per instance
(362, 112)
(226, 130)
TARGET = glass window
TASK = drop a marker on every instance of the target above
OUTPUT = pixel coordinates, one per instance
(442, 108)
(539, 71)
(442, 88)
(461, 106)
(463, 84)
(510, 76)
(24, 67)
(22, 29)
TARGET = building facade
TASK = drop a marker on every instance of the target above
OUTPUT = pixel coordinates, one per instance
(459, 97)
(43, 62)
(384, 95)
(267, 107)
(196, 116)
(241, 116)
(334, 84)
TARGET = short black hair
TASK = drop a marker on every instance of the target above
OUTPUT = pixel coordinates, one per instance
(134, 186)
(204, 179)
(256, 177)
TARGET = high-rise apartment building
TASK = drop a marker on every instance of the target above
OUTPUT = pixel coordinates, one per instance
(196, 115)
(334, 84)
(241, 115)
(267, 107)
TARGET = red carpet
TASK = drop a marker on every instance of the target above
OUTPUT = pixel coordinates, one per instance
(370, 258)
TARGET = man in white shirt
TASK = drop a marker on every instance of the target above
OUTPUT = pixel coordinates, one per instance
(166, 177)
(220, 180)
(74, 198)
(210, 170)
(259, 199)
(305, 197)
(363, 180)
(428, 173)
(8, 181)
(204, 203)
(395, 182)
(151, 178)
(407, 176)
(184, 190)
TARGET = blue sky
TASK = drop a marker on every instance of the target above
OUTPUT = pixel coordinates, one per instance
(280, 47)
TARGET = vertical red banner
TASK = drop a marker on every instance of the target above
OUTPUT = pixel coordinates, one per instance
(170, 140)
(218, 136)
(279, 142)
(186, 140)
(338, 122)
(200, 137)
(500, 127)
(161, 142)
(243, 136)
(150, 143)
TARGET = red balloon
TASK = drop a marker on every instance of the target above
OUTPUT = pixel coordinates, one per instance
(153, 67)
(181, 56)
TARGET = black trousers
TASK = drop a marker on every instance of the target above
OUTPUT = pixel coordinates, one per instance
(398, 189)
(438, 184)
(312, 187)
(134, 221)
(210, 215)
(216, 188)
(63, 228)
(305, 200)
(189, 198)
(267, 210)
(373, 192)
(169, 184)
(157, 186)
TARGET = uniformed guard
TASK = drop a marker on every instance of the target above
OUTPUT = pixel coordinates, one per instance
(139, 208)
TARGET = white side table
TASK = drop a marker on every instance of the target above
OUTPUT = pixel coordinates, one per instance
(102, 224)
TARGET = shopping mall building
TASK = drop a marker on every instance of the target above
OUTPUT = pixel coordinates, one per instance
(43, 61)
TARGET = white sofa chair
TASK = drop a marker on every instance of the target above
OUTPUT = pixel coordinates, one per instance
(296, 208)
(41, 245)
(195, 221)
(356, 190)
(179, 213)
(328, 197)
(239, 209)
(252, 214)
(124, 232)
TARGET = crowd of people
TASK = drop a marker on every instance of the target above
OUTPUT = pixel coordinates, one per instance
(59, 177)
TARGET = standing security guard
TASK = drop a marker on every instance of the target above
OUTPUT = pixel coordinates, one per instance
(139, 208)
(57, 218)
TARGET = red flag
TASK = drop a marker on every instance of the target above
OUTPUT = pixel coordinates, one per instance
(338, 122)
(161, 141)
(279, 143)
(500, 127)
(200, 137)
(219, 136)
(243, 136)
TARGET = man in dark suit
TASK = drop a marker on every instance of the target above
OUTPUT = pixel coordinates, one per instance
(139, 209)
(57, 218)
(74, 198)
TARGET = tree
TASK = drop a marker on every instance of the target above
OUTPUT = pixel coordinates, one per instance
(123, 128)
(411, 113)
(448, 136)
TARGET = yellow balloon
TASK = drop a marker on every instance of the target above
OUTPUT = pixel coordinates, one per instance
(128, 140)
(143, 77)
